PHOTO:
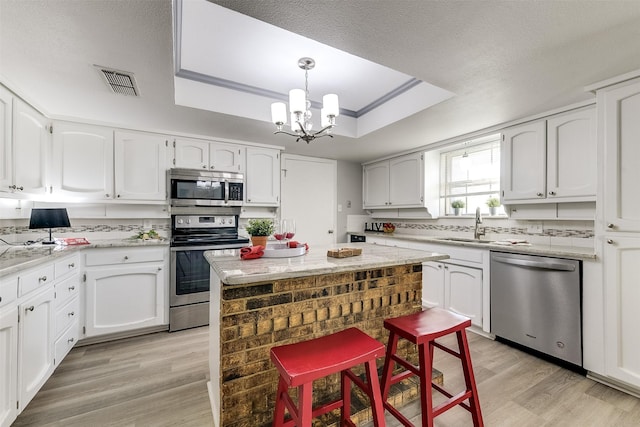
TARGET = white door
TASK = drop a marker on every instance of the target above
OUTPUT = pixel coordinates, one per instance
(309, 196)
(30, 149)
(262, 183)
(6, 156)
(376, 185)
(432, 284)
(191, 154)
(524, 162)
(226, 157)
(406, 181)
(463, 292)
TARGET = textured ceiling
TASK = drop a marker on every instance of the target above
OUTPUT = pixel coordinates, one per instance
(504, 60)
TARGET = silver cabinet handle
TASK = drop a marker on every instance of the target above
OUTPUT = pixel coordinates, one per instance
(552, 193)
(118, 196)
(15, 187)
(539, 194)
(72, 288)
(126, 257)
(42, 279)
(204, 166)
(213, 167)
(73, 264)
(70, 340)
(71, 313)
(610, 225)
(107, 195)
(609, 241)
(439, 265)
(159, 268)
(31, 308)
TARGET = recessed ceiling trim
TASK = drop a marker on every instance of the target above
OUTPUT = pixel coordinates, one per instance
(409, 84)
(229, 84)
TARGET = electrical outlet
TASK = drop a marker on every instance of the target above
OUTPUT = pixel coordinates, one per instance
(339, 208)
(534, 228)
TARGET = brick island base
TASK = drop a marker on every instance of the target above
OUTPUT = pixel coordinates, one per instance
(257, 316)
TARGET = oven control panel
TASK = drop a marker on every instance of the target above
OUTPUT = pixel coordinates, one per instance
(204, 221)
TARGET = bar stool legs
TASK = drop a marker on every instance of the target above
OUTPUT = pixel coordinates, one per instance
(422, 329)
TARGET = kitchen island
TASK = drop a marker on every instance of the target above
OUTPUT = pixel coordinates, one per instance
(258, 304)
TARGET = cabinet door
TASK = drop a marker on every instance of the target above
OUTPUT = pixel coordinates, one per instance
(463, 292)
(571, 155)
(82, 161)
(433, 284)
(36, 344)
(140, 166)
(263, 177)
(6, 112)
(524, 160)
(375, 185)
(8, 365)
(406, 181)
(30, 148)
(620, 130)
(191, 154)
(226, 157)
(622, 317)
(122, 298)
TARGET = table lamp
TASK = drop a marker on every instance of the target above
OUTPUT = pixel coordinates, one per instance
(48, 218)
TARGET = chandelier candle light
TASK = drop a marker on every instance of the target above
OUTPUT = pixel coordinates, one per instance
(300, 107)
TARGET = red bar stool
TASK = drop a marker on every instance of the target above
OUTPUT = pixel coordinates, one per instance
(423, 329)
(301, 363)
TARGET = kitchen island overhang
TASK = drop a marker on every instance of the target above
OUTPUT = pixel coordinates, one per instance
(261, 303)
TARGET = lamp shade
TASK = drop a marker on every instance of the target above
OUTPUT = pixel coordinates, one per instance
(297, 101)
(330, 105)
(279, 113)
(49, 218)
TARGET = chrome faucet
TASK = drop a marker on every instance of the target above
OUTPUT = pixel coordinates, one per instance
(477, 232)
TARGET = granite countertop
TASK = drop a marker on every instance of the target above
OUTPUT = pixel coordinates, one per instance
(233, 271)
(574, 252)
(14, 258)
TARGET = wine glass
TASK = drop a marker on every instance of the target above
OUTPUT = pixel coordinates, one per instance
(288, 228)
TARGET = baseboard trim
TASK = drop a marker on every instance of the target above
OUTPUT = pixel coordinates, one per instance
(614, 384)
(121, 335)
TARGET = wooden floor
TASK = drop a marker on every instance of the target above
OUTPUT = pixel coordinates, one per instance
(160, 380)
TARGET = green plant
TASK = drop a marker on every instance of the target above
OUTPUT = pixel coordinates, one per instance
(457, 203)
(259, 227)
(493, 202)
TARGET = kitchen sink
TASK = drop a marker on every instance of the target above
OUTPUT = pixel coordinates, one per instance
(462, 240)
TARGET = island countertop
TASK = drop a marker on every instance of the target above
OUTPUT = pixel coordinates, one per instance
(232, 270)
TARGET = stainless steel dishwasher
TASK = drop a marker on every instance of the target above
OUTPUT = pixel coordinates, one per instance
(536, 302)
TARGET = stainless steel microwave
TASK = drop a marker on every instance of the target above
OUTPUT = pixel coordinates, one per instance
(192, 187)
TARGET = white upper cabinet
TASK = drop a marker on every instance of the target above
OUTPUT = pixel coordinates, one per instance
(550, 160)
(524, 158)
(30, 149)
(82, 161)
(571, 155)
(262, 183)
(376, 185)
(6, 112)
(140, 166)
(209, 155)
(620, 131)
(394, 183)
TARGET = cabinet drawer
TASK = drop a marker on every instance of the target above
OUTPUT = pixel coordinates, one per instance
(66, 315)
(67, 266)
(8, 290)
(65, 343)
(34, 279)
(67, 289)
(123, 256)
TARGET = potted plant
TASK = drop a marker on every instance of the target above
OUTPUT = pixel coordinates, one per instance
(493, 203)
(259, 230)
(457, 205)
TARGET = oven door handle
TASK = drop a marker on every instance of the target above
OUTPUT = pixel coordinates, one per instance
(197, 248)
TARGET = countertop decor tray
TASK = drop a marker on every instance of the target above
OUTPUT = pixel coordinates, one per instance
(275, 252)
(344, 252)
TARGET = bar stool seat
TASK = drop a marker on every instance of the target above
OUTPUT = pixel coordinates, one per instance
(422, 329)
(301, 363)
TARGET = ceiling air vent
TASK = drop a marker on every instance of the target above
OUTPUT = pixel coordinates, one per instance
(121, 82)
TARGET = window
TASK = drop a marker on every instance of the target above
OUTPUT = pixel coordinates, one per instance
(471, 173)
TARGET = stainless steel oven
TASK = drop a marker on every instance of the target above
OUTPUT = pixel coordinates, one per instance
(192, 234)
(192, 187)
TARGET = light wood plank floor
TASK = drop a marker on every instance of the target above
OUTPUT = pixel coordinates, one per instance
(160, 380)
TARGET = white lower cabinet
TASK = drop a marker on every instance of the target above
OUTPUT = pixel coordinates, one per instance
(35, 343)
(125, 289)
(454, 287)
(8, 365)
(622, 317)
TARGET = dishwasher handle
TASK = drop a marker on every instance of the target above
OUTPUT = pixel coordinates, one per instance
(546, 265)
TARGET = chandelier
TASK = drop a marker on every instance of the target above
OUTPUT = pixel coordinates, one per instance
(300, 107)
